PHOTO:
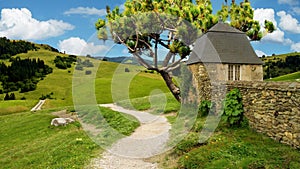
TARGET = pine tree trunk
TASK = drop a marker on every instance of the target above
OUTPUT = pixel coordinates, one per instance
(171, 85)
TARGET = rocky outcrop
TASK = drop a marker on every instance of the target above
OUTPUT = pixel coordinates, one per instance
(61, 121)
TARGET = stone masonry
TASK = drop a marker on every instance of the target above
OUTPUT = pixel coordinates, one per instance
(272, 108)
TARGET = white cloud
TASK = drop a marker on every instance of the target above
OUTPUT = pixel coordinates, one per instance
(262, 14)
(288, 23)
(86, 11)
(77, 46)
(296, 47)
(296, 10)
(19, 24)
(289, 2)
(260, 53)
(277, 37)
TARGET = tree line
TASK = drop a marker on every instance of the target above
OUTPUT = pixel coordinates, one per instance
(10, 48)
(22, 74)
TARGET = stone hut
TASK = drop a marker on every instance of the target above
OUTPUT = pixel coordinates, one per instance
(226, 54)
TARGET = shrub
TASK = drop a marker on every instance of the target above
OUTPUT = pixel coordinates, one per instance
(47, 96)
(79, 67)
(204, 108)
(87, 63)
(88, 72)
(233, 108)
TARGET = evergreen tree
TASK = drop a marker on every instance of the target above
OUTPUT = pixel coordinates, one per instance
(12, 96)
(6, 97)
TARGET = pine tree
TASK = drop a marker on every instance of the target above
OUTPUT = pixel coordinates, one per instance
(6, 97)
(12, 96)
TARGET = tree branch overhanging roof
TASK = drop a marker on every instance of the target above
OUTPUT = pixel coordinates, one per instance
(223, 44)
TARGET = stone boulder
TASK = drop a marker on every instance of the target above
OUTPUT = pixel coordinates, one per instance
(61, 121)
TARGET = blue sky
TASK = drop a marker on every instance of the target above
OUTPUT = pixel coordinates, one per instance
(69, 25)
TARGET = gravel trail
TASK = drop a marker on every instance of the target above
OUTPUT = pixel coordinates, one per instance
(129, 153)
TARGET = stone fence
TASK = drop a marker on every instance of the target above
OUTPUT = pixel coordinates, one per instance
(272, 108)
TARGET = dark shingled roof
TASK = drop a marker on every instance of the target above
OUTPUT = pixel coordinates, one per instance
(223, 44)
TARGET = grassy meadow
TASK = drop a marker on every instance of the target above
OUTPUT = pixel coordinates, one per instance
(16, 106)
(28, 141)
(229, 148)
(59, 82)
(293, 77)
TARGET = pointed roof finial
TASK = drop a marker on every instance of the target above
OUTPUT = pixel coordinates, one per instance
(220, 19)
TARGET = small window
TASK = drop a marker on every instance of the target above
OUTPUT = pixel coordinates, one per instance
(237, 72)
(230, 72)
(234, 72)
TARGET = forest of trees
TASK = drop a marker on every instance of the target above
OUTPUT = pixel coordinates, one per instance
(23, 74)
(278, 66)
(10, 48)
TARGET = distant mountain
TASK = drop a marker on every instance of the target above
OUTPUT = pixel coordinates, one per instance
(119, 59)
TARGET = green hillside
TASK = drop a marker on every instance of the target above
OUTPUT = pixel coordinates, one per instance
(279, 56)
(59, 83)
(279, 65)
(289, 77)
(28, 139)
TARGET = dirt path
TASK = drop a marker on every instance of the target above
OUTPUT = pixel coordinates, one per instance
(129, 153)
(38, 106)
